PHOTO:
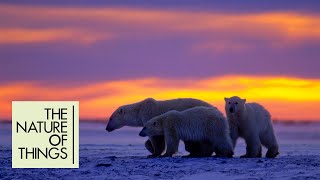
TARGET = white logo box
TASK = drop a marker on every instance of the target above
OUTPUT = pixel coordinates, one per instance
(45, 134)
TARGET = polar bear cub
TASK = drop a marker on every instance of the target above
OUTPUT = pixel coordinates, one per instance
(198, 124)
(252, 122)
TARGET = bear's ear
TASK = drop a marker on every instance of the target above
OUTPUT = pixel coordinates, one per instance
(244, 100)
(226, 99)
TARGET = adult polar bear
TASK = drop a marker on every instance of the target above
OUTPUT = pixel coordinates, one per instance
(252, 122)
(137, 114)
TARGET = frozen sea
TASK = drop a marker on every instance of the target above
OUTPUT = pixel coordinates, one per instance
(121, 155)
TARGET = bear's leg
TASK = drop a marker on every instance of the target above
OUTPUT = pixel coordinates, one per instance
(158, 145)
(192, 147)
(206, 149)
(253, 147)
(198, 149)
(223, 148)
(234, 135)
(149, 146)
(260, 152)
(272, 152)
(269, 141)
(172, 142)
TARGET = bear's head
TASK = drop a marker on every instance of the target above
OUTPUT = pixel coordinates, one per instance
(131, 114)
(234, 105)
(154, 127)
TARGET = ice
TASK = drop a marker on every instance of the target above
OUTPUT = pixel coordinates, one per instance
(121, 155)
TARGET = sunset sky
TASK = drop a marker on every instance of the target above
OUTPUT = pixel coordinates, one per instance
(106, 54)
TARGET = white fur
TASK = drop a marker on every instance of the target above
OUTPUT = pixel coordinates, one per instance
(198, 124)
(140, 113)
(252, 122)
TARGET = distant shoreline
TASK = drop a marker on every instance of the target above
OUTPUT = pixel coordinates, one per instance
(277, 121)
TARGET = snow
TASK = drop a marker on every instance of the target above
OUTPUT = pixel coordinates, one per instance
(121, 155)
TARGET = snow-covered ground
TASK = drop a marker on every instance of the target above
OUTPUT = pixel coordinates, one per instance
(121, 155)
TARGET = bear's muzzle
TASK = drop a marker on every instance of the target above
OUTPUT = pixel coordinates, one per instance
(109, 128)
(143, 132)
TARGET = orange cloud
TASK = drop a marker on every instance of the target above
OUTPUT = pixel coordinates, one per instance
(23, 35)
(287, 98)
(284, 28)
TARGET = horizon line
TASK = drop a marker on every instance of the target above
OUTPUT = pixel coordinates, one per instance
(98, 120)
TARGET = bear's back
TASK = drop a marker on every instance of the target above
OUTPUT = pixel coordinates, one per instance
(182, 104)
(258, 114)
(258, 109)
(202, 121)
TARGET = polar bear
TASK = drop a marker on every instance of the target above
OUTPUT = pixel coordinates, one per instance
(252, 122)
(198, 124)
(137, 114)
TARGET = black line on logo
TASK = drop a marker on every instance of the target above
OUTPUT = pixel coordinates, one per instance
(73, 134)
